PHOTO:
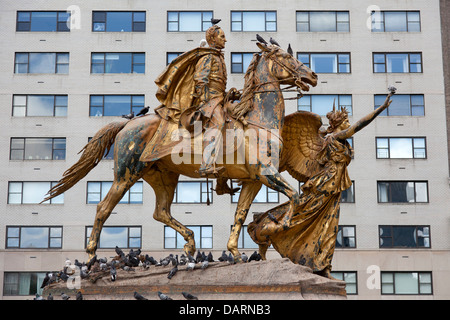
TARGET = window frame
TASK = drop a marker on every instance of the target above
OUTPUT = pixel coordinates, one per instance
(338, 67)
(403, 181)
(383, 12)
(55, 105)
(102, 196)
(132, 66)
(409, 272)
(33, 138)
(310, 105)
(28, 62)
(341, 229)
(341, 275)
(19, 237)
(241, 21)
(57, 22)
(399, 53)
(239, 63)
(198, 244)
(202, 22)
(50, 201)
(392, 240)
(385, 113)
(200, 182)
(38, 276)
(328, 11)
(412, 147)
(87, 234)
(119, 11)
(102, 106)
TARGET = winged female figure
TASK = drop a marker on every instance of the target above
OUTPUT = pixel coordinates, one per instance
(318, 158)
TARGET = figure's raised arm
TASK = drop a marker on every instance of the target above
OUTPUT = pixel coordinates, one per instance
(362, 123)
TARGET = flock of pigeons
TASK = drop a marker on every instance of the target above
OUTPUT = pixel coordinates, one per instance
(98, 268)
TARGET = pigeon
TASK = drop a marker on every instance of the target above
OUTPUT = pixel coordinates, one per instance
(210, 257)
(261, 39)
(191, 263)
(231, 259)
(215, 21)
(38, 297)
(189, 296)
(64, 296)
(289, 50)
(198, 258)
(143, 111)
(46, 280)
(113, 272)
(244, 257)
(392, 89)
(172, 272)
(79, 295)
(272, 41)
(203, 43)
(223, 257)
(137, 296)
(128, 116)
(253, 256)
(162, 296)
(183, 260)
(205, 264)
(119, 251)
(49, 297)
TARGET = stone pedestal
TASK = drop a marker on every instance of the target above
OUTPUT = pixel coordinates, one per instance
(277, 279)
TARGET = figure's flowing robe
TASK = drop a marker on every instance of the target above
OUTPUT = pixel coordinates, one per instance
(311, 238)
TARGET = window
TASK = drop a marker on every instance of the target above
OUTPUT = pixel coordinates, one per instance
(117, 62)
(188, 20)
(112, 236)
(323, 21)
(406, 283)
(396, 21)
(346, 237)
(27, 192)
(193, 192)
(404, 236)
(351, 285)
(34, 237)
(323, 103)
(401, 148)
(326, 62)
(348, 195)
(39, 105)
(203, 236)
(38, 149)
(402, 191)
(42, 62)
(265, 195)
(254, 21)
(118, 21)
(115, 105)
(397, 62)
(43, 21)
(171, 55)
(23, 283)
(97, 191)
(244, 240)
(240, 62)
(402, 105)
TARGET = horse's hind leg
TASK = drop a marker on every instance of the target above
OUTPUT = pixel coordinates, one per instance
(104, 209)
(248, 193)
(164, 184)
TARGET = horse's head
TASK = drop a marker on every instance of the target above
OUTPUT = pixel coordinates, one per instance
(285, 67)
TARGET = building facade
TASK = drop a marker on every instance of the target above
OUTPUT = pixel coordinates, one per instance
(60, 83)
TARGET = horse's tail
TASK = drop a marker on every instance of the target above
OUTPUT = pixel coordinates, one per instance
(93, 153)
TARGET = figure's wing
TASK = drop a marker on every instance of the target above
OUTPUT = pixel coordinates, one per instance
(302, 144)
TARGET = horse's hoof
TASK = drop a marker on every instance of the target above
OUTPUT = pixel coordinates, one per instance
(238, 259)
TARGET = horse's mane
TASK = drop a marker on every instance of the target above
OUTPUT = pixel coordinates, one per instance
(244, 106)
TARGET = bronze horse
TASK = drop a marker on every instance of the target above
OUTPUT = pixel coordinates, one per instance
(263, 105)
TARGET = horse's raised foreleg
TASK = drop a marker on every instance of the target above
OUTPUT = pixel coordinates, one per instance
(248, 193)
(104, 209)
(164, 184)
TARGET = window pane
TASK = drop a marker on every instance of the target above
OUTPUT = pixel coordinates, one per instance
(38, 149)
(34, 192)
(118, 63)
(43, 21)
(253, 21)
(324, 63)
(190, 21)
(188, 192)
(400, 106)
(397, 63)
(322, 21)
(117, 105)
(401, 148)
(119, 21)
(139, 17)
(395, 21)
(322, 104)
(406, 283)
(114, 236)
(42, 63)
(34, 237)
(421, 192)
